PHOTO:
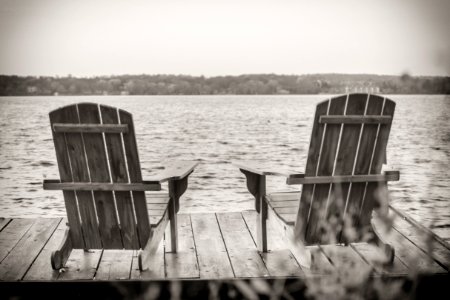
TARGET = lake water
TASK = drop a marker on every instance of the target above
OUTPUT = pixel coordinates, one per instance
(217, 130)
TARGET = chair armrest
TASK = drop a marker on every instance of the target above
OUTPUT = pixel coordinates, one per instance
(176, 170)
(259, 168)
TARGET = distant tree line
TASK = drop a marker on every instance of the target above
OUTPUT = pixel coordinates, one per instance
(256, 84)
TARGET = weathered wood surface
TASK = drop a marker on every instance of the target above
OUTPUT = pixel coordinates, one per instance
(211, 251)
(11, 234)
(90, 128)
(54, 184)
(16, 264)
(183, 263)
(241, 248)
(211, 246)
(4, 222)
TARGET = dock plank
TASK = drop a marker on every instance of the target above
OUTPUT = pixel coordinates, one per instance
(278, 260)
(348, 263)
(244, 257)
(81, 265)
(424, 240)
(115, 265)
(182, 264)
(443, 233)
(374, 258)
(211, 252)
(41, 268)
(156, 265)
(12, 234)
(18, 261)
(4, 222)
(320, 265)
(414, 258)
(211, 245)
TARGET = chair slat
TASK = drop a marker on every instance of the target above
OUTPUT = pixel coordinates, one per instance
(366, 146)
(50, 184)
(325, 168)
(119, 174)
(67, 113)
(134, 171)
(80, 173)
(98, 169)
(345, 162)
(356, 119)
(376, 190)
(90, 128)
(346, 179)
(310, 170)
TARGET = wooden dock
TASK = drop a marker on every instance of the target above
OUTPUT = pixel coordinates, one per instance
(211, 246)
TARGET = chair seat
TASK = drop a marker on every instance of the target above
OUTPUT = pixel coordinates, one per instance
(285, 205)
(156, 205)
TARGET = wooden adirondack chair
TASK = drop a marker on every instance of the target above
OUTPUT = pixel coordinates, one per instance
(101, 180)
(341, 183)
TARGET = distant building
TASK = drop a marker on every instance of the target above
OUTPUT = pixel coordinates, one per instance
(362, 89)
(31, 89)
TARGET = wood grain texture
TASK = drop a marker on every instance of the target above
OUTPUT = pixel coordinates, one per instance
(424, 241)
(372, 199)
(97, 162)
(263, 168)
(4, 222)
(244, 257)
(52, 184)
(14, 266)
(119, 174)
(81, 265)
(311, 169)
(325, 168)
(343, 180)
(183, 263)
(279, 260)
(211, 251)
(374, 257)
(150, 248)
(135, 175)
(84, 265)
(90, 128)
(357, 118)
(80, 173)
(362, 166)
(67, 114)
(156, 268)
(176, 170)
(115, 265)
(348, 263)
(41, 268)
(320, 264)
(415, 259)
(11, 235)
(345, 163)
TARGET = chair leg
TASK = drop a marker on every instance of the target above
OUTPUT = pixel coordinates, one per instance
(262, 226)
(150, 248)
(176, 190)
(60, 256)
(387, 248)
(173, 227)
(256, 185)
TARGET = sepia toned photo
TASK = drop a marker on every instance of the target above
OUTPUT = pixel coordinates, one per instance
(215, 149)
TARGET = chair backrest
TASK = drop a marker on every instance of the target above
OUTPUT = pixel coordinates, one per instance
(99, 153)
(344, 146)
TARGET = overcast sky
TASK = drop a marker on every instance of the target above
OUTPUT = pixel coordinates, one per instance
(86, 37)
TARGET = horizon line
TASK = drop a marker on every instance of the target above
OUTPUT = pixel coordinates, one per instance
(227, 75)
